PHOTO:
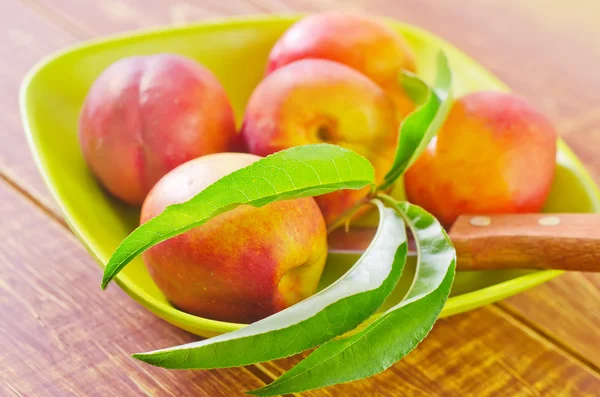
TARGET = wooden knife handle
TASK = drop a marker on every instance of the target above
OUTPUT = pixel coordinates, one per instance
(531, 241)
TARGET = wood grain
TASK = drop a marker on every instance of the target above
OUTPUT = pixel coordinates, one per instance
(566, 312)
(546, 50)
(26, 37)
(61, 335)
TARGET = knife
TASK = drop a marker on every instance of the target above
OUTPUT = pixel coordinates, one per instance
(513, 241)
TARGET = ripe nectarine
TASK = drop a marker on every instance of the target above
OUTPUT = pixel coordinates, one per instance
(494, 154)
(242, 265)
(145, 116)
(314, 101)
(363, 43)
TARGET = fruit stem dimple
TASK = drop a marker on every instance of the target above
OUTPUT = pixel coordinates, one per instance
(324, 133)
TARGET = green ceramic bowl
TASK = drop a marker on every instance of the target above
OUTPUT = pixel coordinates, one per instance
(236, 51)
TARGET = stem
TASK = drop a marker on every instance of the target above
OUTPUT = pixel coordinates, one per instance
(386, 199)
(347, 215)
(386, 184)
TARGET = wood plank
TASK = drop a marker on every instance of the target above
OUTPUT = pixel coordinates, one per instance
(26, 38)
(61, 335)
(566, 310)
(482, 353)
(106, 17)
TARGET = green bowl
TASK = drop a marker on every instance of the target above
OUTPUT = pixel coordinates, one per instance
(236, 51)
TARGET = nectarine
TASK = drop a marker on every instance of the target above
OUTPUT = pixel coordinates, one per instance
(242, 265)
(494, 154)
(313, 101)
(144, 116)
(363, 43)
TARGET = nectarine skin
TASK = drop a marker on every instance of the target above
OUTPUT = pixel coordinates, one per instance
(144, 116)
(363, 43)
(242, 265)
(494, 154)
(314, 101)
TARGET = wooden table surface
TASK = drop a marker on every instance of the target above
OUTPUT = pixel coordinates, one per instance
(61, 336)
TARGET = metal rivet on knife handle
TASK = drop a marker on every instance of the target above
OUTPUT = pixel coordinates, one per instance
(480, 221)
(549, 221)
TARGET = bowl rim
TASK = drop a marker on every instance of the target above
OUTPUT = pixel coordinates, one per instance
(204, 326)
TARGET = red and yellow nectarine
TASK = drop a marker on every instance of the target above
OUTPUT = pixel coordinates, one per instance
(363, 43)
(494, 154)
(145, 116)
(314, 101)
(242, 265)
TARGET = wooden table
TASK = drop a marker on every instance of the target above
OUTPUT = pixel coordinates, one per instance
(61, 336)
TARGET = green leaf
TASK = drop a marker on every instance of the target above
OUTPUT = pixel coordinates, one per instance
(301, 171)
(335, 310)
(420, 126)
(397, 331)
